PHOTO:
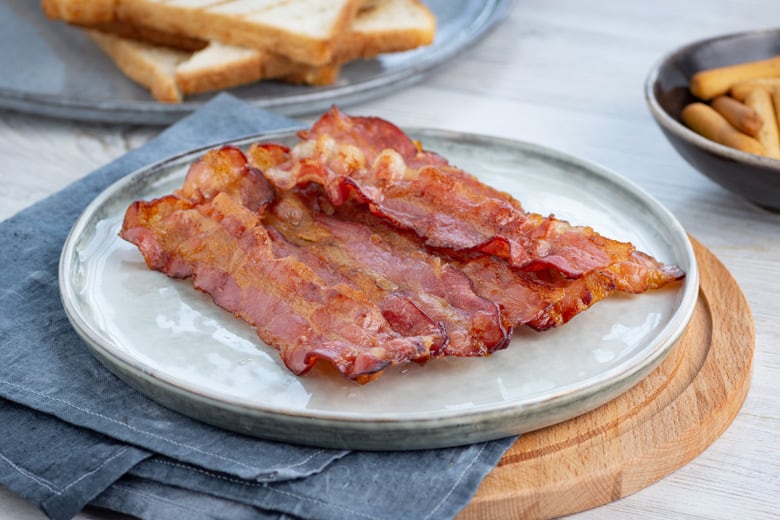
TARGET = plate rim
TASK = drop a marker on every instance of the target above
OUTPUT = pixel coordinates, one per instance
(445, 428)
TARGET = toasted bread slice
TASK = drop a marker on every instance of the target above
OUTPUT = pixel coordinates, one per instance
(221, 66)
(380, 26)
(387, 26)
(149, 35)
(217, 67)
(282, 69)
(149, 65)
(306, 31)
(171, 74)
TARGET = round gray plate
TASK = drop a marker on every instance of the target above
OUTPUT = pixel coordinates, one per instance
(173, 344)
(53, 69)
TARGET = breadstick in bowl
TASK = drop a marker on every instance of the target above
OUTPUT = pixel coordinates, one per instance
(740, 90)
(710, 83)
(741, 116)
(706, 121)
(761, 101)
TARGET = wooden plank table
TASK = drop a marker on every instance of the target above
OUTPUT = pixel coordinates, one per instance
(569, 75)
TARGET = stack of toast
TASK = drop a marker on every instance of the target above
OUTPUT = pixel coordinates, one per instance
(177, 48)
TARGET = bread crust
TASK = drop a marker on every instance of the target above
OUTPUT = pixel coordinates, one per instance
(81, 11)
(142, 34)
(253, 30)
(384, 26)
(132, 58)
(237, 69)
(148, 34)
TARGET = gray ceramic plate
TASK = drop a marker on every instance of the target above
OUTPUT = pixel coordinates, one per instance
(55, 70)
(173, 344)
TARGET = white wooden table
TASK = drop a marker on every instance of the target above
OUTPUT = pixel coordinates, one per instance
(566, 74)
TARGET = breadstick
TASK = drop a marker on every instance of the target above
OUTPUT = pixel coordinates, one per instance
(760, 101)
(709, 83)
(775, 95)
(741, 116)
(739, 91)
(704, 120)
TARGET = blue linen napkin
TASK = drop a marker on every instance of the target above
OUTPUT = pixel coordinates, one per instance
(72, 433)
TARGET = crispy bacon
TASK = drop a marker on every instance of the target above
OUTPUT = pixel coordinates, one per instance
(226, 171)
(535, 299)
(528, 298)
(588, 267)
(366, 251)
(388, 262)
(373, 161)
(349, 296)
(219, 242)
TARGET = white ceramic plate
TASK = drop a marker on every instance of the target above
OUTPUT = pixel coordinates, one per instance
(60, 72)
(173, 344)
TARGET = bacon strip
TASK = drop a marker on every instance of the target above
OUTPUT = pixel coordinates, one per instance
(528, 298)
(541, 298)
(381, 262)
(226, 171)
(366, 251)
(313, 286)
(219, 242)
(371, 160)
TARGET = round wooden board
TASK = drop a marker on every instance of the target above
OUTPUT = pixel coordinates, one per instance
(659, 425)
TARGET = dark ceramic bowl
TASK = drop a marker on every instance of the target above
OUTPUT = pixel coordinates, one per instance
(753, 177)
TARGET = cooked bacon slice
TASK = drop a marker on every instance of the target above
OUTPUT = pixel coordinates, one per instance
(219, 242)
(389, 262)
(540, 302)
(373, 161)
(535, 299)
(366, 251)
(541, 299)
(226, 171)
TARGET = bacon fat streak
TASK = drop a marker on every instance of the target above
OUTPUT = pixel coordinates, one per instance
(365, 250)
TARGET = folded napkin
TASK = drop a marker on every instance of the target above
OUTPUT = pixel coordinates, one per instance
(72, 434)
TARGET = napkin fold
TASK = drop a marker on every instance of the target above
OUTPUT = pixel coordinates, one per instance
(71, 433)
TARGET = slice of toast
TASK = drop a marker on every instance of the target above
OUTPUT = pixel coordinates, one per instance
(149, 35)
(387, 26)
(149, 65)
(380, 26)
(306, 31)
(219, 66)
(171, 74)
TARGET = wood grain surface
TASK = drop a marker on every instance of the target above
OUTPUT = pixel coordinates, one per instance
(662, 423)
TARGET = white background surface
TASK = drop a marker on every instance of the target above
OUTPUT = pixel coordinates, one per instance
(566, 74)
